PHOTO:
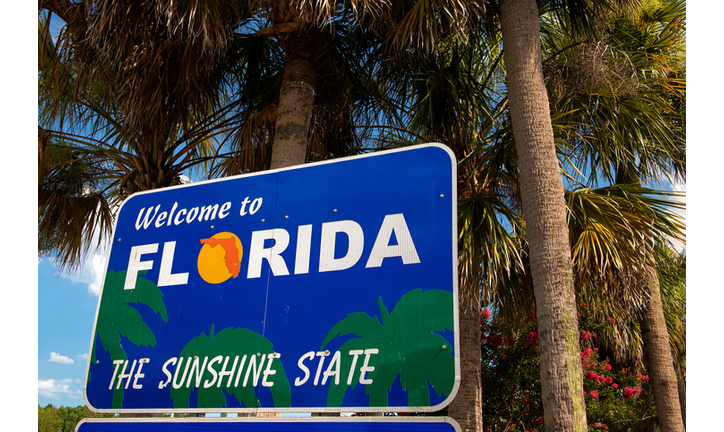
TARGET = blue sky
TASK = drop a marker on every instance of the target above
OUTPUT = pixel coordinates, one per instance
(66, 310)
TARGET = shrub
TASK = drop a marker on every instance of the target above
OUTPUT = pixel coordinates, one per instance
(615, 400)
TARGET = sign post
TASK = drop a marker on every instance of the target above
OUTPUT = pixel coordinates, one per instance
(327, 287)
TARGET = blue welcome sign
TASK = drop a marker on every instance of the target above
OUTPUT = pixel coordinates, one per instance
(327, 287)
(274, 424)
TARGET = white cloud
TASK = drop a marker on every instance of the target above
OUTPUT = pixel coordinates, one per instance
(90, 272)
(96, 269)
(83, 356)
(53, 389)
(57, 358)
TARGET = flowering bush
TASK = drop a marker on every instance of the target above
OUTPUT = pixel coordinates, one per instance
(615, 400)
(511, 378)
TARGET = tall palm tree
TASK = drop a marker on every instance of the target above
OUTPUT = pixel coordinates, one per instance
(544, 211)
(634, 131)
(172, 59)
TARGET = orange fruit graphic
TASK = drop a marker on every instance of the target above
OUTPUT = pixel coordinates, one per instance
(220, 258)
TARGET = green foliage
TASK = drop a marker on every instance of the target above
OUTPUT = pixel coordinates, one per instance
(64, 419)
(230, 342)
(409, 346)
(70, 199)
(510, 376)
(48, 420)
(117, 318)
(617, 398)
(619, 96)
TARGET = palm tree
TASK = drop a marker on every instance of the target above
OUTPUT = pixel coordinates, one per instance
(174, 59)
(634, 131)
(89, 156)
(544, 211)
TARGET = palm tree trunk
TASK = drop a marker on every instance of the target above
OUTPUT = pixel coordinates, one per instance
(545, 216)
(296, 101)
(682, 395)
(658, 360)
(466, 408)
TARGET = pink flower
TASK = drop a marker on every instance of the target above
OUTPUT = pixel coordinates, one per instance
(614, 385)
(611, 320)
(608, 380)
(485, 313)
(497, 340)
(607, 367)
(594, 394)
(628, 393)
(590, 375)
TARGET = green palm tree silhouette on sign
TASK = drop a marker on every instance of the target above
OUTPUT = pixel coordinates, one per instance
(409, 346)
(117, 318)
(244, 361)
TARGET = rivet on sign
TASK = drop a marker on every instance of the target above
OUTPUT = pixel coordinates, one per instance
(326, 352)
(212, 227)
(335, 210)
(444, 347)
(442, 196)
(286, 217)
(119, 239)
(262, 221)
(97, 361)
(258, 354)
